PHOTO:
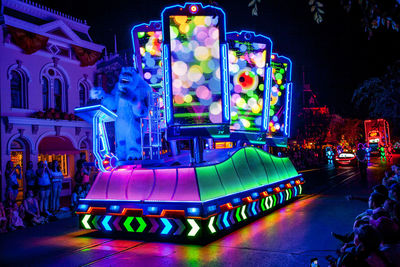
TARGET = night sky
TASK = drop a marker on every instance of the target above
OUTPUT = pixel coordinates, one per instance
(336, 54)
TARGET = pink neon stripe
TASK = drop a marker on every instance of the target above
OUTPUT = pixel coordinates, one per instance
(164, 184)
(99, 188)
(118, 182)
(186, 189)
(140, 184)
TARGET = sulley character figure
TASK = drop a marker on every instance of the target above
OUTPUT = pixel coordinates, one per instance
(131, 99)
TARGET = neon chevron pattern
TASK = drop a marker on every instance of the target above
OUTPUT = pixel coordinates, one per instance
(189, 227)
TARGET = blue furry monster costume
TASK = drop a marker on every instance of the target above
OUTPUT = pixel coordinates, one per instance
(131, 99)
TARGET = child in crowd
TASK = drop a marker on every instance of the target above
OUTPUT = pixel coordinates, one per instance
(14, 220)
(32, 212)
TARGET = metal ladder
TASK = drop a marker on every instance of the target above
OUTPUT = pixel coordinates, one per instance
(150, 129)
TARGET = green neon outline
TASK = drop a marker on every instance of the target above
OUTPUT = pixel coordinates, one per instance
(94, 221)
(243, 212)
(274, 204)
(211, 226)
(142, 224)
(290, 193)
(85, 222)
(301, 189)
(127, 224)
(238, 215)
(262, 204)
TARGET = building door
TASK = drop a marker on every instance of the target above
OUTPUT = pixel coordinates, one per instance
(19, 157)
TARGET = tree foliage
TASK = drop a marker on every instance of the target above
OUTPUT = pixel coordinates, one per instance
(375, 14)
(380, 96)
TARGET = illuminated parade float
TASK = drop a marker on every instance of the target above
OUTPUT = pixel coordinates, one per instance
(206, 86)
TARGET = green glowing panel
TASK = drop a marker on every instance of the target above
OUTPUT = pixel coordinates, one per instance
(280, 167)
(256, 166)
(289, 167)
(269, 166)
(246, 176)
(127, 224)
(142, 224)
(209, 184)
(229, 178)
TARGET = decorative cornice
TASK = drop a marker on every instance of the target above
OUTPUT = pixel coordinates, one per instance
(44, 122)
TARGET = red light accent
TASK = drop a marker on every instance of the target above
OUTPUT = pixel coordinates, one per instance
(277, 189)
(193, 9)
(97, 210)
(297, 182)
(273, 56)
(173, 213)
(226, 207)
(288, 185)
(247, 200)
(264, 194)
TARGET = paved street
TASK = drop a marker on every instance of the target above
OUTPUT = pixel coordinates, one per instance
(290, 236)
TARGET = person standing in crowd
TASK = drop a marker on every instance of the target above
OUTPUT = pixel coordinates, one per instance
(56, 182)
(81, 170)
(362, 162)
(30, 177)
(43, 174)
(12, 176)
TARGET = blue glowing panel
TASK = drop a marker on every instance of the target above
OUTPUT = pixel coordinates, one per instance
(147, 44)
(195, 58)
(250, 81)
(280, 102)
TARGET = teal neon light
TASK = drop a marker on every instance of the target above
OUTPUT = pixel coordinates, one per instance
(195, 228)
(85, 221)
(105, 223)
(281, 197)
(225, 219)
(211, 226)
(253, 208)
(168, 226)
(295, 191)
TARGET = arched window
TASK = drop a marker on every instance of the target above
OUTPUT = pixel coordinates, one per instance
(54, 89)
(45, 93)
(83, 93)
(18, 84)
(58, 95)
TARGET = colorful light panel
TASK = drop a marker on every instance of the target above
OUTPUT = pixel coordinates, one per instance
(195, 66)
(247, 63)
(150, 55)
(280, 96)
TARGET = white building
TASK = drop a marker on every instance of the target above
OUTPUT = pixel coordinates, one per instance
(47, 63)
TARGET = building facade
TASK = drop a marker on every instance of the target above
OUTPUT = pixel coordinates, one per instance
(47, 67)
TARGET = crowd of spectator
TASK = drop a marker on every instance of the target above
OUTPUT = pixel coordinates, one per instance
(375, 239)
(306, 158)
(41, 201)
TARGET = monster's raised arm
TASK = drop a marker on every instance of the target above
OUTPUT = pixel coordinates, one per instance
(110, 101)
